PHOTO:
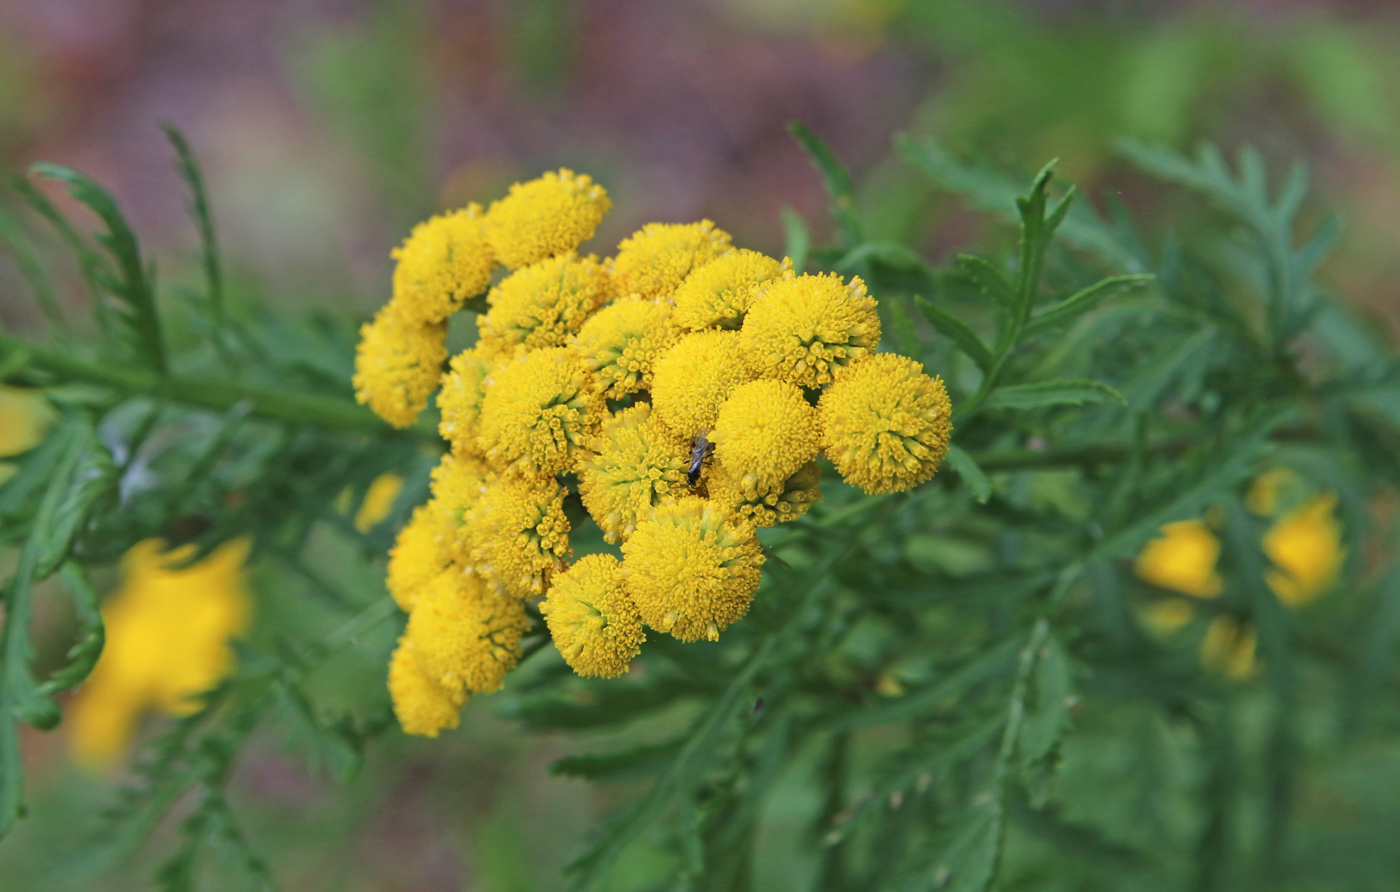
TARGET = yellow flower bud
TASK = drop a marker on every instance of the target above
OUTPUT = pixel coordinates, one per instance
(595, 626)
(419, 554)
(655, 260)
(804, 329)
(636, 464)
(718, 294)
(695, 377)
(397, 365)
(885, 424)
(551, 215)
(542, 304)
(622, 343)
(692, 568)
(443, 262)
(422, 706)
(765, 432)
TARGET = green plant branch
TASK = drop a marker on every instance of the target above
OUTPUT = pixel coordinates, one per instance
(17, 356)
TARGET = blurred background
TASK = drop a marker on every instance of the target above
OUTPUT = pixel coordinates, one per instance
(327, 127)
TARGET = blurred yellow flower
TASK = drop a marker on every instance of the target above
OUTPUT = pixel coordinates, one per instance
(464, 634)
(23, 417)
(422, 706)
(1306, 547)
(378, 501)
(1182, 559)
(397, 365)
(593, 622)
(168, 629)
(1228, 648)
(550, 215)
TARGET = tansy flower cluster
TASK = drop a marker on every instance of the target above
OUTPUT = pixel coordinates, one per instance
(681, 389)
(1304, 544)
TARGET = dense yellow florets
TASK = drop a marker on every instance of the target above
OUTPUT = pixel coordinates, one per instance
(885, 424)
(459, 401)
(766, 506)
(397, 365)
(443, 262)
(545, 217)
(695, 377)
(418, 554)
(593, 622)
(543, 304)
(692, 568)
(622, 343)
(805, 328)
(524, 535)
(718, 294)
(464, 635)
(422, 706)
(636, 463)
(765, 432)
(459, 483)
(540, 412)
(655, 260)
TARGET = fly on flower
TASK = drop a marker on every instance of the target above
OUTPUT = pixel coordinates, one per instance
(700, 449)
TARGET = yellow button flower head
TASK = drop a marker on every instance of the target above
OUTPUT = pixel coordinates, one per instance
(695, 377)
(655, 260)
(168, 629)
(805, 328)
(444, 261)
(1306, 547)
(636, 464)
(418, 554)
(463, 388)
(545, 217)
(885, 424)
(765, 432)
(718, 294)
(623, 342)
(459, 484)
(540, 412)
(542, 304)
(766, 506)
(692, 568)
(595, 626)
(524, 535)
(464, 635)
(1182, 559)
(422, 706)
(397, 365)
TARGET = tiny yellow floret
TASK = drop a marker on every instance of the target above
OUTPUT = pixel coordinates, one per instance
(442, 263)
(622, 343)
(885, 424)
(397, 365)
(636, 463)
(695, 377)
(418, 555)
(804, 329)
(1306, 548)
(765, 432)
(718, 294)
(594, 624)
(464, 635)
(543, 304)
(540, 412)
(544, 217)
(463, 389)
(1182, 559)
(766, 506)
(523, 534)
(422, 706)
(656, 259)
(692, 568)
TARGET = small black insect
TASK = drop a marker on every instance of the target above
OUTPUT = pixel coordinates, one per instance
(700, 449)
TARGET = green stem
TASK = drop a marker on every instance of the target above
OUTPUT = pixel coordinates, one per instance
(220, 395)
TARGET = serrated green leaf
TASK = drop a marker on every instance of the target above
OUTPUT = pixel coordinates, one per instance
(1082, 301)
(636, 760)
(12, 236)
(1048, 700)
(838, 183)
(798, 239)
(1052, 393)
(969, 862)
(985, 277)
(954, 328)
(188, 167)
(128, 294)
(972, 475)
